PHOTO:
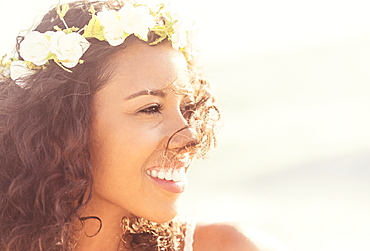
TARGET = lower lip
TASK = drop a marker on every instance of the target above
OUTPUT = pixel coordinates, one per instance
(171, 186)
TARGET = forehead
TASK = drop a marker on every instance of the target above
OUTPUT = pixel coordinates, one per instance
(141, 66)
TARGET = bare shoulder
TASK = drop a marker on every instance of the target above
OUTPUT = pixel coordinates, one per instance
(233, 237)
(222, 236)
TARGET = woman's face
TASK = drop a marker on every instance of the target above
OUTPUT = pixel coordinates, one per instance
(134, 116)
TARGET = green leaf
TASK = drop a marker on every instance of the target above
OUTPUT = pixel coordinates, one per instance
(94, 29)
(62, 10)
(70, 30)
(92, 10)
(57, 28)
(32, 66)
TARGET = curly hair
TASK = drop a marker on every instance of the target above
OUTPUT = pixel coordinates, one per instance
(45, 170)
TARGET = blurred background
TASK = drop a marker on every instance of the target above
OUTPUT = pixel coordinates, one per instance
(292, 82)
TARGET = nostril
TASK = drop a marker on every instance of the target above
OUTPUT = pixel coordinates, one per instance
(182, 140)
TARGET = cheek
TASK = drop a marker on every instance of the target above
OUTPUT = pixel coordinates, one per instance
(119, 160)
(118, 146)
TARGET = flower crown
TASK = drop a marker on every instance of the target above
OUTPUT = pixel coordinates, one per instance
(66, 46)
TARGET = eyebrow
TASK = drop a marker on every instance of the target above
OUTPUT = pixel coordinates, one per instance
(159, 93)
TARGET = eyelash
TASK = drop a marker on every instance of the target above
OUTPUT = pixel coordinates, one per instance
(156, 108)
(186, 111)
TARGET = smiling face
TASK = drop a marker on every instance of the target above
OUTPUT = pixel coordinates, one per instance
(134, 116)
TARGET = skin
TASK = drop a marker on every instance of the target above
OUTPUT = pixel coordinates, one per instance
(130, 130)
(223, 237)
(129, 135)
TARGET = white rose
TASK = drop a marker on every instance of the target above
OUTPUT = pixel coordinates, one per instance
(179, 38)
(49, 34)
(4, 71)
(113, 30)
(181, 24)
(68, 48)
(136, 20)
(19, 69)
(35, 48)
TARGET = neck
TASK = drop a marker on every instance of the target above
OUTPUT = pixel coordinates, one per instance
(108, 238)
(101, 229)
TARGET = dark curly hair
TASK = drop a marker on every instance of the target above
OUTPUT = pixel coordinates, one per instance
(45, 170)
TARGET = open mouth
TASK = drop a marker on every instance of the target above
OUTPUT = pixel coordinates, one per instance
(173, 180)
(170, 174)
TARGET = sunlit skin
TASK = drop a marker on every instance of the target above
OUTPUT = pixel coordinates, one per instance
(134, 116)
(130, 130)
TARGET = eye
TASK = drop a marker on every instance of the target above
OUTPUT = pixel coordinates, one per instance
(153, 109)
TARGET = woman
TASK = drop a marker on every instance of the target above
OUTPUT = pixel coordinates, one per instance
(101, 113)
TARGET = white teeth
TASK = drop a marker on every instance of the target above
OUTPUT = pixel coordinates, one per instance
(161, 174)
(169, 174)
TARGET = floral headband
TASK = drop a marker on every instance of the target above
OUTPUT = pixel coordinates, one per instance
(66, 46)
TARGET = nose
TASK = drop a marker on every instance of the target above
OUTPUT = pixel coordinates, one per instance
(182, 137)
